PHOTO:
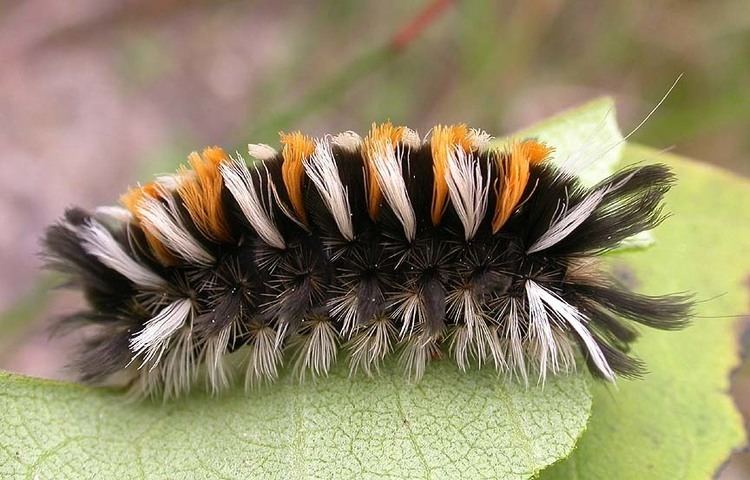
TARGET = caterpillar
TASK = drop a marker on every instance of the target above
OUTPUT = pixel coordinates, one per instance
(353, 249)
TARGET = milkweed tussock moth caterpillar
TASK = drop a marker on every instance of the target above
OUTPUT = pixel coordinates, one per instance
(349, 249)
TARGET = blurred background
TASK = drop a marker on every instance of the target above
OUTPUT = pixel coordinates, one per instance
(96, 94)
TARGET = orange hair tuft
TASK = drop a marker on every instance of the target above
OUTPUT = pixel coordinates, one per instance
(513, 178)
(131, 200)
(443, 139)
(201, 193)
(377, 138)
(296, 148)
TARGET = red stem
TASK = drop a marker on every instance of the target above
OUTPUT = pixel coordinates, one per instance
(429, 14)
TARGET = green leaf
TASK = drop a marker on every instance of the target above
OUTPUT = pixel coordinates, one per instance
(678, 421)
(586, 132)
(451, 424)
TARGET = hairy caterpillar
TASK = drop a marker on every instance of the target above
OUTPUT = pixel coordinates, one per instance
(363, 248)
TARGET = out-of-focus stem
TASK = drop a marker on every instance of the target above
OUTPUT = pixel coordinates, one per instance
(331, 89)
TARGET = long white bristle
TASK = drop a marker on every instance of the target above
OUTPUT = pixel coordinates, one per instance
(261, 151)
(480, 139)
(179, 366)
(172, 182)
(165, 223)
(567, 221)
(564, 223)
(540, 331)
(318, 351)
(408, 307)
(257, 210)
(114, 212)
(348, 140)
(264, 357)
(468, 189)
(513, 335)
(370, 346)
(411, 139)
(388, 161)
(214, 354)
(153, 339)
(322, 170)
(567, 313)
(98, 241)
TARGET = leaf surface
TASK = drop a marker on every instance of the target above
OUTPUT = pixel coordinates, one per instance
(449, 425)
(679, 420)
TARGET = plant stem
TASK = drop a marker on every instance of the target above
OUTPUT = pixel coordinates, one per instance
(328, 91)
